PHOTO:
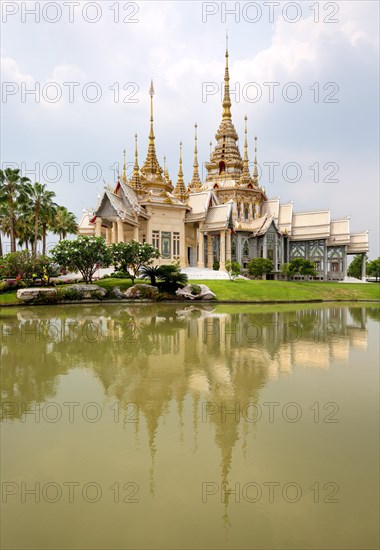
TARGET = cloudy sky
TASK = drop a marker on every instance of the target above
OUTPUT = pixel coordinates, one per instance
(305, 74)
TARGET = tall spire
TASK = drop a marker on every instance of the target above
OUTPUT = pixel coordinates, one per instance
(195, 183)
(245, 176)
(136, 179)
(151, 169)
(180, 190)
(226, 98)
(255, 172)
(124, 176)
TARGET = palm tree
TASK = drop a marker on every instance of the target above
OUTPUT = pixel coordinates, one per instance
(12, 187)
(63, 223)
(42, 201)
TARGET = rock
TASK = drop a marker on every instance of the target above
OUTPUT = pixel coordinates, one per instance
(116, 293)
(205, 294)
(89, 291)
(141, 291)
(29, 295)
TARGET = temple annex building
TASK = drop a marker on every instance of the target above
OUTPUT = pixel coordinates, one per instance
(228, 216)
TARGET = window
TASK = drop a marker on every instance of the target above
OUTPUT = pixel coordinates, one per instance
(176, 245)
(222, 167)
(238, 210)
(144, 238)
(156, 239)
(246, 212)
(166, 244)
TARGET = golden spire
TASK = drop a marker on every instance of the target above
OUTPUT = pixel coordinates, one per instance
(124, 176)
(195, 183)
(180, 189)
(226, 98)
(255, 172)
(245, 176)
(166, 175)
(151, 166)
(136, 179)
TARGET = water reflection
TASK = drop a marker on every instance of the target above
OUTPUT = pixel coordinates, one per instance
(157, 356)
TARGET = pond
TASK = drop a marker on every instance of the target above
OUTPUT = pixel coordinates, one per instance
(165, 426)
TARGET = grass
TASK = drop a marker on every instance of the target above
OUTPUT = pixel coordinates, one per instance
(266, 291)
(259, 291)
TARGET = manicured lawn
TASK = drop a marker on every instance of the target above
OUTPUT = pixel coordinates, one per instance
(259, 291)
(263, 291)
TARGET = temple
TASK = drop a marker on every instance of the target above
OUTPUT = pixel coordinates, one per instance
(228, 216)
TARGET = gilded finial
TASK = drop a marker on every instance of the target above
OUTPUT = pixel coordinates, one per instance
(195, 183)
(151, 170)
(255, 172)
(226, 98)
(245, 176)
(136, 179)
(180, 189)
(124, 176)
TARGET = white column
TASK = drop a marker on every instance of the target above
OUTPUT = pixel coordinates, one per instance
(120, 231)
(228, 246)
(114, 232)
(222, 262)
(182, 245)
(98, 227)
(135, 233)
(201, 251)
(363, 267)
(210, 260)
(149, 226)
(108, 235)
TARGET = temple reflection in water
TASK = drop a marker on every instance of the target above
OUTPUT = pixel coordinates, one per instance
(207, 360)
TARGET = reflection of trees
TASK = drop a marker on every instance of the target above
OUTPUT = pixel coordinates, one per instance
(156, 355)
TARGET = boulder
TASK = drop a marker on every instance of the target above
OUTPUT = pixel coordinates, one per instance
(141, 291)
(30, 295)
(117, 293)
(89, 291)
(205, 294)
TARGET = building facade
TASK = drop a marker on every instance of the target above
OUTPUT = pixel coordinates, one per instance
(228, 216)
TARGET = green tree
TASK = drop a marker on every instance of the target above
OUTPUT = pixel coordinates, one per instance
(13, 188)
(373, 268)
(131, 256)
(259, 267)
(84, 254)
(63, 223)
(42, 203)
(355, 267)
(300, 266)
(151, 272)
(172, 277)
(233, 269)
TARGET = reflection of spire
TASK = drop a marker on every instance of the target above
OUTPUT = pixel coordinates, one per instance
(180, 189)
(195, 183)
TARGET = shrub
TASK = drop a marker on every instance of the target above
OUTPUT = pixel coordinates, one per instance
(71, 294)
(130, 257)
(233, 269)
(260, 266)
(216, 265)
(195, 290)
(171, 277)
